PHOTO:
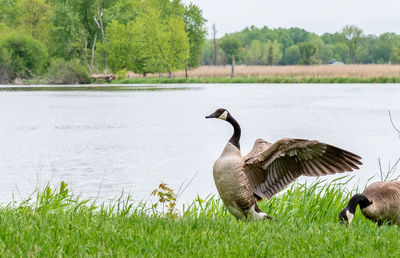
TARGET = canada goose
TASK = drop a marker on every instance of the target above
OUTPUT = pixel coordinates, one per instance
(379, 202)
(268, 168)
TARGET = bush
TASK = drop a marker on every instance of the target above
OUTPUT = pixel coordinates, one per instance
(68, 72)
(22, 56)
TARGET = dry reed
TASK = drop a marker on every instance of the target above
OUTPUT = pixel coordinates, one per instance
(295, 71)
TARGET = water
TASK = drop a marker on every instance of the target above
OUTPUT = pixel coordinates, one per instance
(103, 143)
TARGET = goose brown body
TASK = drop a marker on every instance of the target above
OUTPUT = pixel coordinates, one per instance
(269, 168)
(232, 183)
(385, 202)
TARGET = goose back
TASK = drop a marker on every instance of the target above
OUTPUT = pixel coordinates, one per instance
(385, 197)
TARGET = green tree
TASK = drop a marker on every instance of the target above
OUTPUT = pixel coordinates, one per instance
(253, 55)
(162, 43)
(341, 52)
(230, 44)
(34, 18)
(395, 55)
(119, 46)
(67, 36)
(353, 37)
(196, 31)
(275, 53)
(291, 56)
(22, 55)
(307, 50)
(9, 13)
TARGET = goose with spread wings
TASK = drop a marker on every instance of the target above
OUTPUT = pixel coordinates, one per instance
(268, 168)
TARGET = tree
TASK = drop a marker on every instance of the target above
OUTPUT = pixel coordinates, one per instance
(231, 46)
(340, 52)
(196, 32)
(291, 56)
(67, 34)
(275, 53)
(22, 55)
(9, 13)
(161, 44)
(98, 18)
(34, 18)
(119, 46)
(395, 55)
(307, 51)
(253, 55)
(214, 33)
(353, 37)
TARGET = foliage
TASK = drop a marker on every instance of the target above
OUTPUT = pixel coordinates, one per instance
(306, 52)
(119, 46)
(34, 18)
(94, 29)
(353, 37)
(67, 33)
(349, 46)
(196, 32)
(167, 199)
(22, 55)
(161, 45)
(230, 44)
(68, 72)
(395, 56)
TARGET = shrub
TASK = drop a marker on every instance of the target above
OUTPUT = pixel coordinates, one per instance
(68, 72)
(22, 56)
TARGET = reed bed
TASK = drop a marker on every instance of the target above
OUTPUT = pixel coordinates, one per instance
(57, 223)
(291, 72)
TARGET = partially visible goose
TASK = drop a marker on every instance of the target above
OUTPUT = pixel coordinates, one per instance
(268, 168)
(379, 202)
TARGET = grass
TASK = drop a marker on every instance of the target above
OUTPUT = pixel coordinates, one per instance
(278, 74)
(256, 80)
(295, 71)
(111, 88)
(55, 223)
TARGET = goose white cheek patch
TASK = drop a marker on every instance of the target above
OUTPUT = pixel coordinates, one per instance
(224, 115)
(349, 216)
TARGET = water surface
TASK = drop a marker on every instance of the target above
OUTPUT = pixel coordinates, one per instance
(104, 142)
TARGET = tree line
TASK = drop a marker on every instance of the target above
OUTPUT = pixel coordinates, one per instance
(145, 36)
(281, 46)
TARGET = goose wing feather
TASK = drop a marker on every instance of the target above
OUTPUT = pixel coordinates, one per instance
(271, 167)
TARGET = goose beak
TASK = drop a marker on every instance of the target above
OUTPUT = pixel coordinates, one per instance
(213, 115)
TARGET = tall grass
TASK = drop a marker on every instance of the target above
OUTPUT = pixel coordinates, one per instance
(256, 80)
(290, 72)
(54, 222)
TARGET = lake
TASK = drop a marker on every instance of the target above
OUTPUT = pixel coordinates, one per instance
(103, 143)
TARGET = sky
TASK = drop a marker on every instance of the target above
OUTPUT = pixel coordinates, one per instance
(319, 16)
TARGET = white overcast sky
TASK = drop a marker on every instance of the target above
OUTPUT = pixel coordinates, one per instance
(319, 16)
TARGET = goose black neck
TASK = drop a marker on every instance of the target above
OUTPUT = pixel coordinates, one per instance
(236, 131)
(358, 199)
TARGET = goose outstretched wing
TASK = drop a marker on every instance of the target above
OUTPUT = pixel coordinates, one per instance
(271, 167)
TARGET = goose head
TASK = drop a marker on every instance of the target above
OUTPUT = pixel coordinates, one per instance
(346, 216)
(220, 113)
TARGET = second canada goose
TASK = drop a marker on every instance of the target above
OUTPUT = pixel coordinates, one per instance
(379, 202)
(269, 168)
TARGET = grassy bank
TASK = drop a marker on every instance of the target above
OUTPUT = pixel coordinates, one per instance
(56, 223)
(161, 80)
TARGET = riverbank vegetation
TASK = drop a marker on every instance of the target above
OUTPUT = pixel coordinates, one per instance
(41, 36)
(65, 42)
(278, 74)
(54, 222)
(293, 46)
